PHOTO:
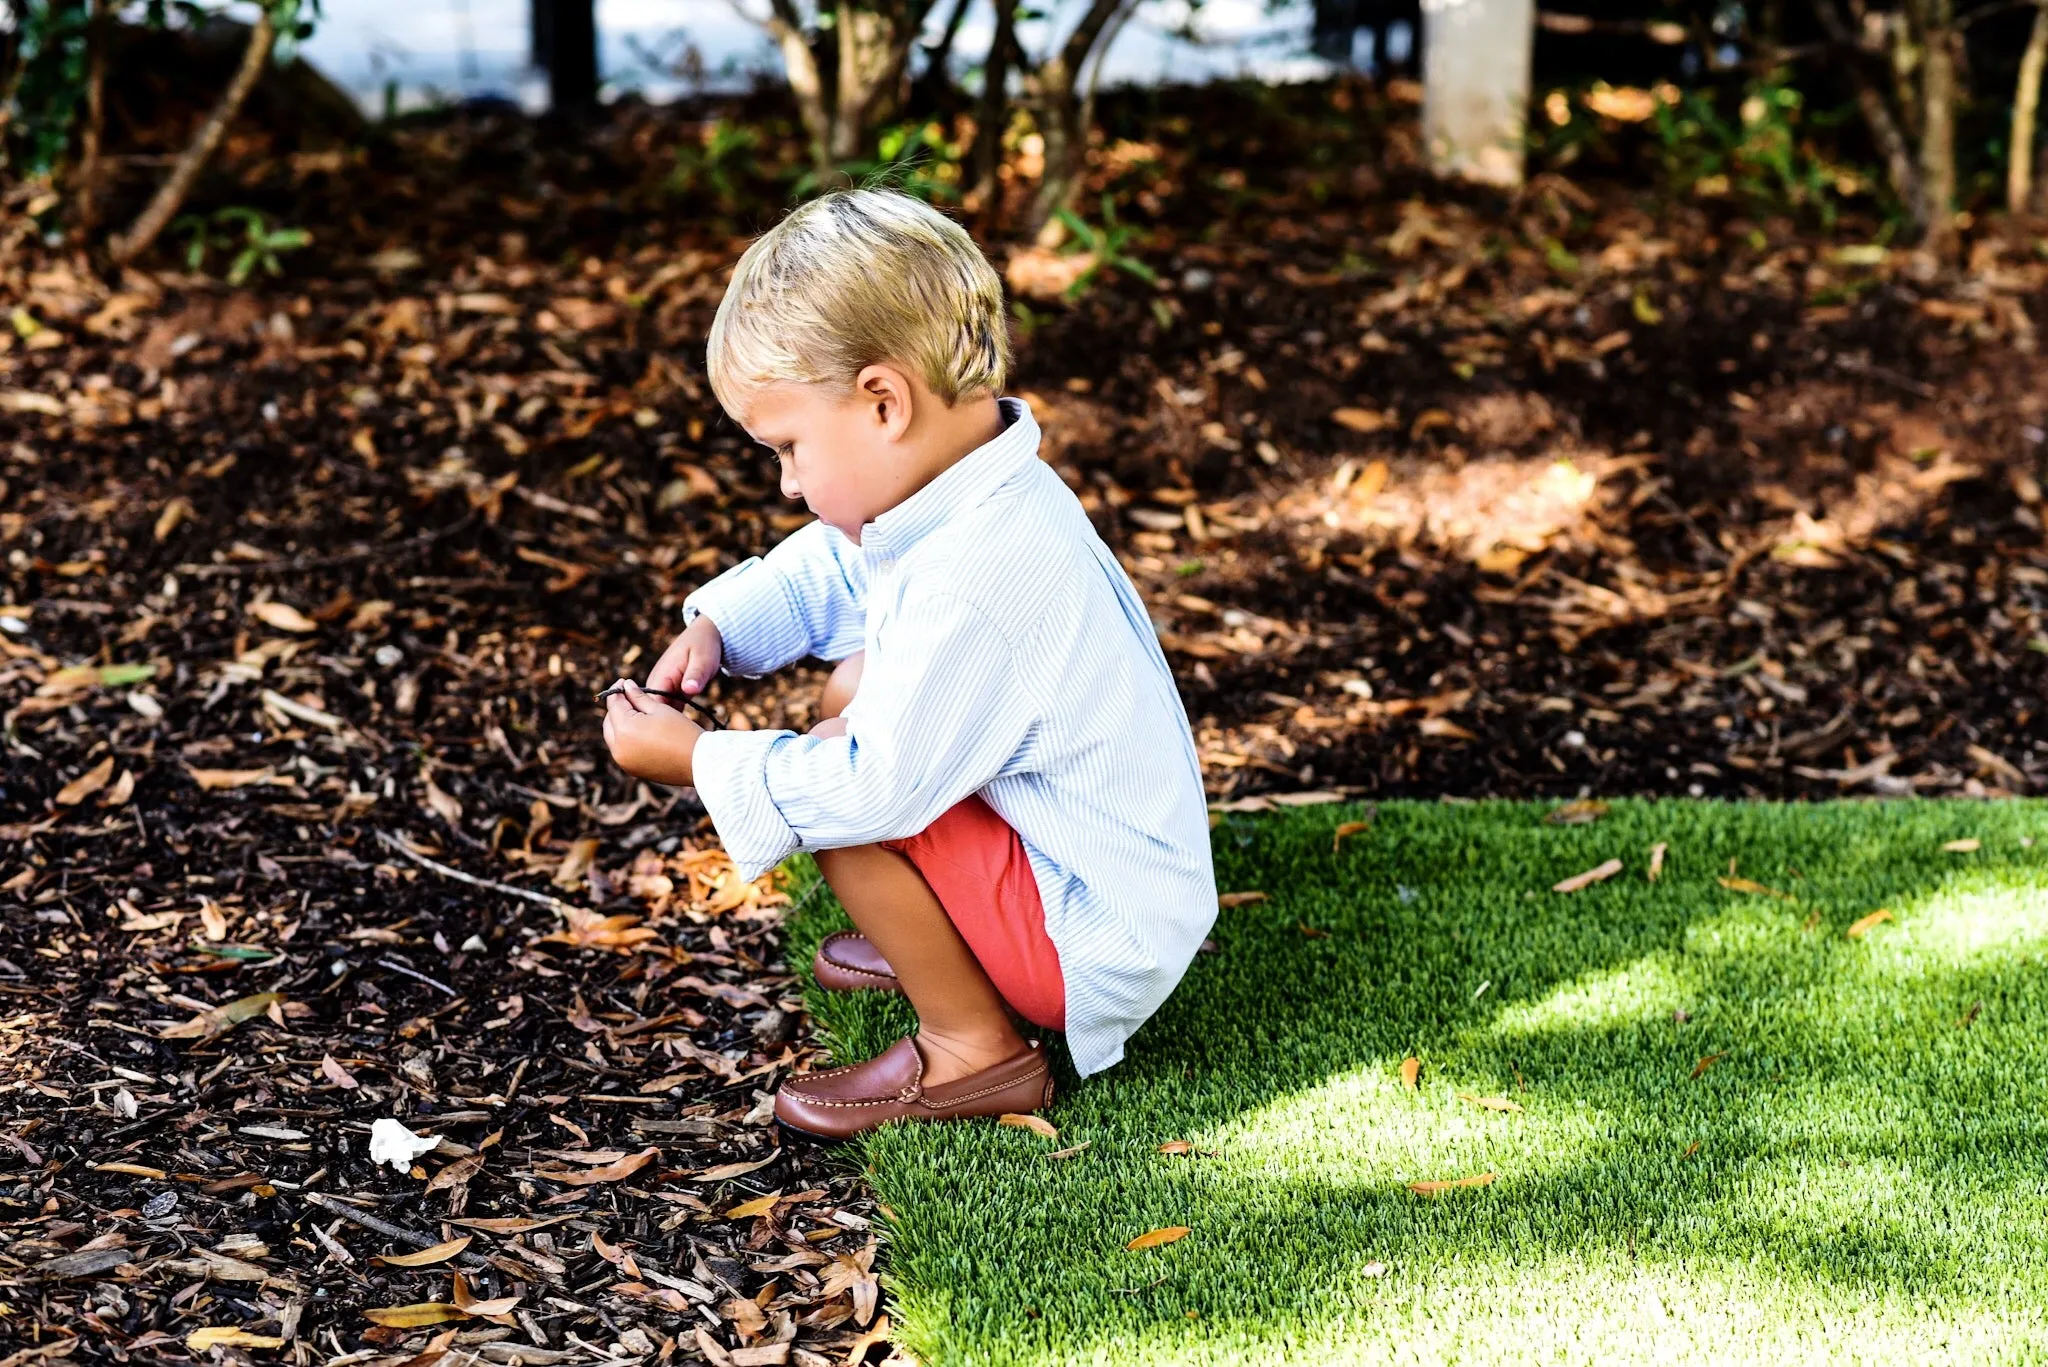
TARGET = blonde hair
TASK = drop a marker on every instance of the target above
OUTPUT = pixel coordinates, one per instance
(857, 277)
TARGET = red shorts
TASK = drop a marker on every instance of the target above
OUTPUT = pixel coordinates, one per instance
(977, 866)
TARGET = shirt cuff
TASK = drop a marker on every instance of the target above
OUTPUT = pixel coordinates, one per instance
(757, 629)
(731, 769)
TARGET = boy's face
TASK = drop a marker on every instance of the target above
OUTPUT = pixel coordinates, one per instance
(840, 449)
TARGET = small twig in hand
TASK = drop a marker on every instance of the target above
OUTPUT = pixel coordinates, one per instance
(459, 876)
(397, 967)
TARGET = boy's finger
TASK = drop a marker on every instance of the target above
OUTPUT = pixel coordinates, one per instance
(669, 669)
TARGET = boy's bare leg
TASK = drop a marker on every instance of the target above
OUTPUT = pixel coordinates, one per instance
(963, 1025)
(840, 688)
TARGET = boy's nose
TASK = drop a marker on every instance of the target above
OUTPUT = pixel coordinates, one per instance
(790, 488)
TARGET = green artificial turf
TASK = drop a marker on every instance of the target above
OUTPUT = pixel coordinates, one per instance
(1858, 1176)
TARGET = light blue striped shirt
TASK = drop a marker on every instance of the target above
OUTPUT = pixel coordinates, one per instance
(1007, 655)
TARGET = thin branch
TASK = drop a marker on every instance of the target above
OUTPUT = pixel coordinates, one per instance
(940, 54)
(1109, 37)
(97, 38)
(1884, 127)
(170, 196)
(2026, 107)
(396, 967)
(987, 156)
(459, 876)
(1082, 40)
(386, 1228)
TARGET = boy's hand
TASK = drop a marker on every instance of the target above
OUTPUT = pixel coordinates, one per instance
(648, 738)
(691, 660)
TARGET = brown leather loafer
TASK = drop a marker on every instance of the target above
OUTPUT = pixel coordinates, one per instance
(848, 961)
(844, 1102)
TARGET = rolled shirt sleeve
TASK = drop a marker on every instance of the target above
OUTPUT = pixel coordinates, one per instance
(940, 713)
(806, 597)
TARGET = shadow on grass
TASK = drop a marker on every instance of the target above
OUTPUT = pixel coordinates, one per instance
(1868, 1176)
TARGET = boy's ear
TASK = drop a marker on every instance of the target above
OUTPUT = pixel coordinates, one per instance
(888, 394)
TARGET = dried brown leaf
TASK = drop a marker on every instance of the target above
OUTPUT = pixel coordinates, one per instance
(427, 1257)
(726, 1171)
(223, 1018)
(457, 1174)
(610, 1172)
(576, 864)
(1491, 1103)
(1156, 1238)
(1239, 899)
(1579, 812)
(86, 784)
(1037, 1124)
(1600, 873)
(415, 1316)
(283, 616)
(1868, 923)
(224, 1336)
(1751, 886)
(213, 780)
(1411, 1069)
(1484, 1179)
(1347, 828)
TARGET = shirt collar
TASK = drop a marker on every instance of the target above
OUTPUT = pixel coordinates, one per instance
(960, 486)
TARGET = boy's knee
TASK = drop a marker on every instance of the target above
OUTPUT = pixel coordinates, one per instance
(844, 683)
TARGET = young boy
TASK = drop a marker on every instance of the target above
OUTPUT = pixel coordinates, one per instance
(1004, 793)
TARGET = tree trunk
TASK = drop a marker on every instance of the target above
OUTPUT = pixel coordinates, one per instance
(1058, 111)
(565, 44)
(1938, 124)
(874, 49)
(1475, 80)
(86, 208)
(991, 117)
(936, 80)
(806, 80)
(1062, 113)
(2026, 108)
(170, 196)
(1900, 170)
(2041, 179)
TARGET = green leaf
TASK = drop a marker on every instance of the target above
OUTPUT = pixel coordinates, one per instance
(120, 676)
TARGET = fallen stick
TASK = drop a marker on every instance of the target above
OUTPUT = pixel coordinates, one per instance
(459, 876)
(386, 1228)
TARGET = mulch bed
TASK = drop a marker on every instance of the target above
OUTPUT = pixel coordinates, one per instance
(308, 587)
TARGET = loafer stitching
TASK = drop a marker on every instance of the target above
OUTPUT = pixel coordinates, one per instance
(926, 1102)
(825, 953)
(860, 972)
(931, 1105)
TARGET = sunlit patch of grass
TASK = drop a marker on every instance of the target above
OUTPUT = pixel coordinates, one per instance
(1743, 1136)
